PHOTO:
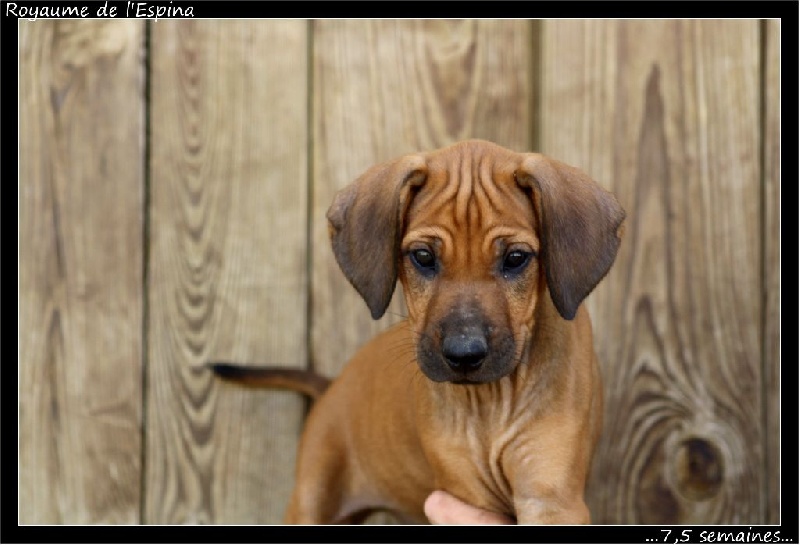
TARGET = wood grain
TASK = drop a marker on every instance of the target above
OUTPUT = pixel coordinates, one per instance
(81, 181)
(772, 264)
(386, 88)
(227, 268)
(666, 114)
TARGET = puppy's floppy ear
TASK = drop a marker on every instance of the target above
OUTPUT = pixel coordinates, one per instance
(364, 223)
(580, 228)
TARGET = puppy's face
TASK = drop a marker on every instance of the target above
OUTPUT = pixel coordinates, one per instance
(479, 236)
(470, 271)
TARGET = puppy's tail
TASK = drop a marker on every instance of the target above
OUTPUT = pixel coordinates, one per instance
(299, 380)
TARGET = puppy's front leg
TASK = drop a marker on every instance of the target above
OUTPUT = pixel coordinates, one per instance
(548, 481)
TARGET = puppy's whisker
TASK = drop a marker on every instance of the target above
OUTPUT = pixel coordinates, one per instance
(418, 332)
(398, 314)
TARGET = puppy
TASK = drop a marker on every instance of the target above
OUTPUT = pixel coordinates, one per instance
(490, 389)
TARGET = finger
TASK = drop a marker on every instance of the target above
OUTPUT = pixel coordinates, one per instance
(443, 508)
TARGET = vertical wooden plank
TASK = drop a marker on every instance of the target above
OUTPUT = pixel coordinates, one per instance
(227, 266)
(772, 263)
(666, 114)
(80, 271)
(385, 88)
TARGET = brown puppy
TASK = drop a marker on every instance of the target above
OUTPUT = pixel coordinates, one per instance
(490, 389)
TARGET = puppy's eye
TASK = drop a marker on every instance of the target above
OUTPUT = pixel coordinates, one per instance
(424, 261)
(515, 261)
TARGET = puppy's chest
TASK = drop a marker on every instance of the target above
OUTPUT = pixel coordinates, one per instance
(469, 459)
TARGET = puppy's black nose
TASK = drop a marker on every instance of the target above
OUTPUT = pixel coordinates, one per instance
(465, 351)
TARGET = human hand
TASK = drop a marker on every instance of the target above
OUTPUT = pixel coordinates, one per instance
(444, 508)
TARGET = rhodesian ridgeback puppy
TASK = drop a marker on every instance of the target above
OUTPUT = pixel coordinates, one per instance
(490, 389)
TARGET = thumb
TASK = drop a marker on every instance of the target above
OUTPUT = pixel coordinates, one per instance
(444, 508)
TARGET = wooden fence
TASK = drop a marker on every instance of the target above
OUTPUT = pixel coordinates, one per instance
(173, 184)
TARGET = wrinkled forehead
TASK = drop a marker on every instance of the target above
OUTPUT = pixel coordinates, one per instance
(472, 191)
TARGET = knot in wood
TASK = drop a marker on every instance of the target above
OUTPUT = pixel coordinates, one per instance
(699, 469)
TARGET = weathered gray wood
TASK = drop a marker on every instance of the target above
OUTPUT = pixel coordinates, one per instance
(666, 114)
(227, 265)
(80, 271)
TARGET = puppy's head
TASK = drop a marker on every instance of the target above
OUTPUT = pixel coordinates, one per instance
(479, 236)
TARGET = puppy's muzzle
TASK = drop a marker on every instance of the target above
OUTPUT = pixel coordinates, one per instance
(466, 347)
